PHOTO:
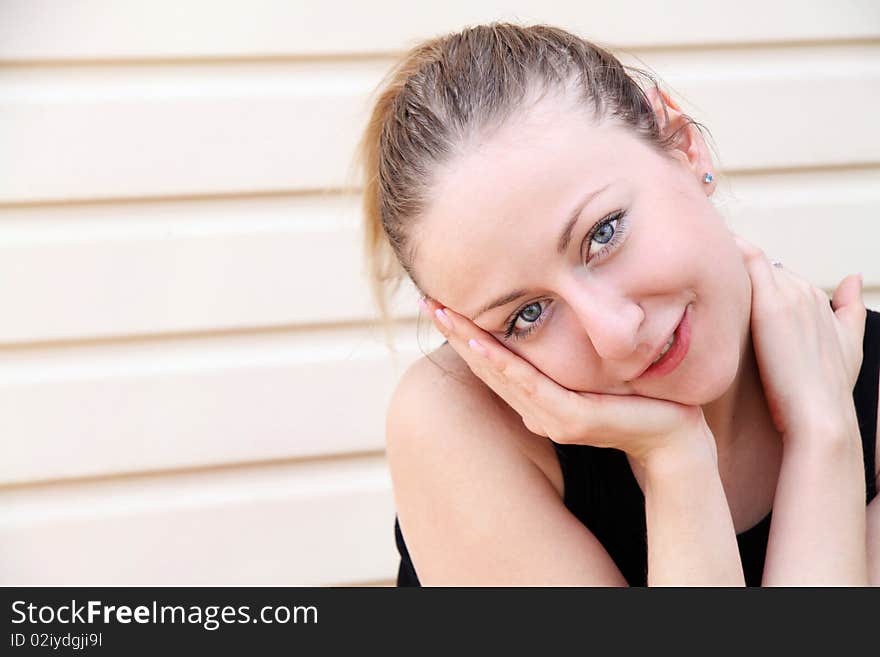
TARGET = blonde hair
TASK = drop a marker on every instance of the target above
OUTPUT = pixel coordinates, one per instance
(450, 87)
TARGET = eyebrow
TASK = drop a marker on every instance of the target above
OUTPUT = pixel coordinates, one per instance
(561, 245)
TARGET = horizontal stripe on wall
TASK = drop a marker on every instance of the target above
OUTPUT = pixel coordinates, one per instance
(94, 271)
(282, 524)
(822, 224)
(146, 131)
(41, 29)
(111, 408)
(114, 270)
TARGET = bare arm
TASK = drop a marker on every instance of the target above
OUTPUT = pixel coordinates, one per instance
(475, 511)
(691, 537)
(873, 547)
(873, 517)
(818, 531)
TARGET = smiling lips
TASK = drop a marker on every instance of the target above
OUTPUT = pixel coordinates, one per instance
(675, 353)
(665, 347)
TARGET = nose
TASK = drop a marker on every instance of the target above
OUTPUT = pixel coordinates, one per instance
(610, 320)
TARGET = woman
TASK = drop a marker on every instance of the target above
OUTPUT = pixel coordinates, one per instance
(557, 218)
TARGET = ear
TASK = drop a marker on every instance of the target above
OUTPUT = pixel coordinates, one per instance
(689, 145)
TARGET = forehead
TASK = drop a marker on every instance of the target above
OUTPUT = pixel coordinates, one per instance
(496, 209)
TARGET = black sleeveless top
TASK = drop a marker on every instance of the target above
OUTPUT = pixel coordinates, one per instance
(602, 492)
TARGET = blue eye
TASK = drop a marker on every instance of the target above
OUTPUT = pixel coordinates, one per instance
(608, 232)
(533, 314)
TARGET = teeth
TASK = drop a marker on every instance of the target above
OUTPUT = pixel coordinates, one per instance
(665, 348)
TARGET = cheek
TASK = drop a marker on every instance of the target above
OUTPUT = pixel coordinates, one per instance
(721, 325)
(566, 356)
(714, 356)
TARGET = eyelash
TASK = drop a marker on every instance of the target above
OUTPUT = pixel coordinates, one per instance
(619, 234)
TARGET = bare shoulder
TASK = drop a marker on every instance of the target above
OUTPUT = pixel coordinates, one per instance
(444, 383)
(474, 499)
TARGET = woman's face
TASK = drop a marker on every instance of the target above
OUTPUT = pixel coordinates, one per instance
(647, 243)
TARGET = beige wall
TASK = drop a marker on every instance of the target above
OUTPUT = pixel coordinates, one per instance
(190, 390)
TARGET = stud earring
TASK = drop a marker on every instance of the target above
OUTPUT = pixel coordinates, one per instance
(707, 178)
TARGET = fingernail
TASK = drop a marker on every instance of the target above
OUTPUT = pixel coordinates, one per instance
(476, 346)
(443, 318)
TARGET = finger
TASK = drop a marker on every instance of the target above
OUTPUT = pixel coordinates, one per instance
(525, 389)
(849, 305)
(444, 323)
(761, 272)
(756, 262)
(756, 257)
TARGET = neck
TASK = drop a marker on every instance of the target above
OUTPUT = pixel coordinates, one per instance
(740, 416)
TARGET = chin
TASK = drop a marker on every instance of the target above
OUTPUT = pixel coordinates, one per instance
(709, 381)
